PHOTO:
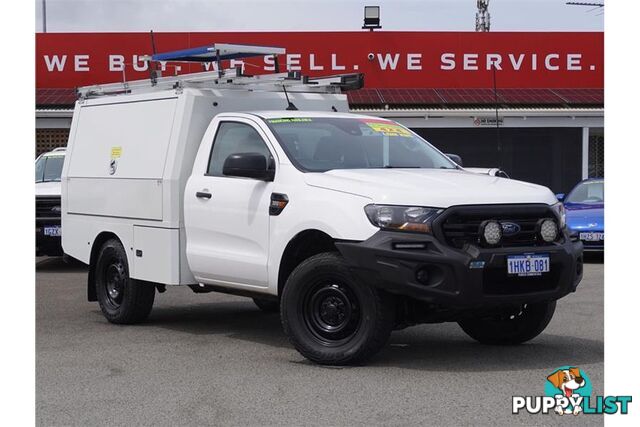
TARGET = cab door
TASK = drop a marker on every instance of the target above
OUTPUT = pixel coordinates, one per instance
(227, 218)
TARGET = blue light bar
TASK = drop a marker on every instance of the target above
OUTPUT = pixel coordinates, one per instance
(221, 51)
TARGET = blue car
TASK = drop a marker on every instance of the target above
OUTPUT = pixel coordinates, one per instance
(584, 208)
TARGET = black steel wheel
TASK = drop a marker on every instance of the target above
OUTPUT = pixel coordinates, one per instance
(121, 299)
(512, 325)
(114, 279)
(330, 316)
(331, 311)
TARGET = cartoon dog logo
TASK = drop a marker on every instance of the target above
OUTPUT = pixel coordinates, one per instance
(567, 381)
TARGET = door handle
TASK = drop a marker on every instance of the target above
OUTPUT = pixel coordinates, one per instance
(203, 195)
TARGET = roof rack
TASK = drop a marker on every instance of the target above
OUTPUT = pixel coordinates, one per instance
(231, 78)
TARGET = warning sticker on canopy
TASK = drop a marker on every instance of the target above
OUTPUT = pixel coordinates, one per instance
(116, 152)
(389, 129)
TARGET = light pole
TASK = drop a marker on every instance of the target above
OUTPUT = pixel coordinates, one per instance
(44, 16)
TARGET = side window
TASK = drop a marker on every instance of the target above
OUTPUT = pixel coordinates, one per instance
(233, 138)
(40, 169)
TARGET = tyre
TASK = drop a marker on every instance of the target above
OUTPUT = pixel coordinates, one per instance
(267, 305)
(332, 318)
(122, 299)
(513, 326)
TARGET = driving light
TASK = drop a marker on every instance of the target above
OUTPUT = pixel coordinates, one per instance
(492, 232)
(402, 218)
(548, 230)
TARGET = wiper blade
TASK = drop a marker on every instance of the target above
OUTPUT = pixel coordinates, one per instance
(401, 167)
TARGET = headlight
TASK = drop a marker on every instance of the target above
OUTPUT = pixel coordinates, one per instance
(402, 218)
(558, 209)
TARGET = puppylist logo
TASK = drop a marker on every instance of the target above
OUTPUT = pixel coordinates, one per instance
(568, 392)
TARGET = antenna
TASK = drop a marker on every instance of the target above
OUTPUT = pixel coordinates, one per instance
(290, 107)
(153, 73)
(483, 17)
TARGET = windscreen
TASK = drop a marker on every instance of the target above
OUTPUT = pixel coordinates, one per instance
(49, 168)
(587, 192)
(318, 144)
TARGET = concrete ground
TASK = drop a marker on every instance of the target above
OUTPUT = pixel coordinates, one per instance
(213, 359)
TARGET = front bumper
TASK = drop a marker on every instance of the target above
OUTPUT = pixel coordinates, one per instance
(47, 245)
(421, 267)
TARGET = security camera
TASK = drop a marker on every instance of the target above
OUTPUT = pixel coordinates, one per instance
(371, 56)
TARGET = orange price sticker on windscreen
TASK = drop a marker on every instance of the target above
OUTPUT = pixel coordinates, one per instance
(389, 129)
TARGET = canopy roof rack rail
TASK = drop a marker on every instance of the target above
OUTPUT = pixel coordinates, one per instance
(231, 78)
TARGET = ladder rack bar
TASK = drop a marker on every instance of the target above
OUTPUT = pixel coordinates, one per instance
(229, 79)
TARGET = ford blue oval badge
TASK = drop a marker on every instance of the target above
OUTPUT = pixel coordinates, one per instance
(510, 228)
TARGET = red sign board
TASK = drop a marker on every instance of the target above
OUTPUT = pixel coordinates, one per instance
(388, 59)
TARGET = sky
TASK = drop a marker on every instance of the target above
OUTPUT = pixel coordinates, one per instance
(309, 15)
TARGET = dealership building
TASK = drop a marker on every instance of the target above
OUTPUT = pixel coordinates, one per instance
(529, 103)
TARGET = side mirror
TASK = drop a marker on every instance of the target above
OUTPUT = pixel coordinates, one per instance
(248, 165)
(455, 158)
(560, 197)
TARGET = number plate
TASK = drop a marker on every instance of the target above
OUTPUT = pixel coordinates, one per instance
(54, 231)
(528, 265)
(592, 236)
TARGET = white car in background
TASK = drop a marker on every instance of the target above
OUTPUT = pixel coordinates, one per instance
(48, 190)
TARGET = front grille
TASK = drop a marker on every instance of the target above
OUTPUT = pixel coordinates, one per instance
(460, 225)
(44, 206)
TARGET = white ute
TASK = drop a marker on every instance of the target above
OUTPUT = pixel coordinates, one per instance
(48, 189)
(349, 225)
